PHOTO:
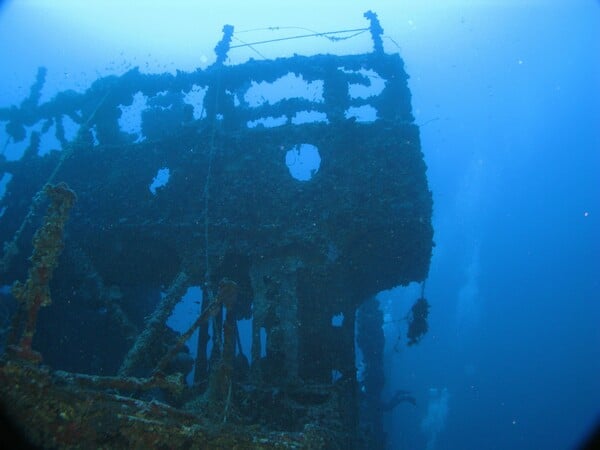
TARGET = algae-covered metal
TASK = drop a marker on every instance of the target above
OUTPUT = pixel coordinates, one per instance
(299, 251)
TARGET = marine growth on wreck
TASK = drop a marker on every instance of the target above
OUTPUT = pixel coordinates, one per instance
(97, 261)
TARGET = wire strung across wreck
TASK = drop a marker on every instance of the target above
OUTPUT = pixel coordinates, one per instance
(288, 254)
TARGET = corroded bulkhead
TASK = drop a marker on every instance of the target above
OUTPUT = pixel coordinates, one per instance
(300, 251)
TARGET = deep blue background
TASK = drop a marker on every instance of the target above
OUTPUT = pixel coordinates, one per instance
(514, 165)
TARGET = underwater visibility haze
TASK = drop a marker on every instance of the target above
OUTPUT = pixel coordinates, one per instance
(337, 225)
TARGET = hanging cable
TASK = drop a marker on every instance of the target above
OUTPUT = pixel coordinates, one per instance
(221, 51)
(251, 47)
(326, 35)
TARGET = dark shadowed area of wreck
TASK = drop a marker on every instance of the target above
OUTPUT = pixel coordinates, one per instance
(94, 261)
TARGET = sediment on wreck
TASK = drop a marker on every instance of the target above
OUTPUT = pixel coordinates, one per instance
(34, 293)
(297, 256)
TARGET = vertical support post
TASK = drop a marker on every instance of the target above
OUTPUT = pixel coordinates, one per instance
(376, 31)
(276, 310)
(35, 292)
(222, 47)
(371, 341)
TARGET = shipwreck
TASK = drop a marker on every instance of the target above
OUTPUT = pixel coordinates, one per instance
(94, 261)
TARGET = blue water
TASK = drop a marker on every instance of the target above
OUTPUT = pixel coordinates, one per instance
(514, 166)
(508, 96)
